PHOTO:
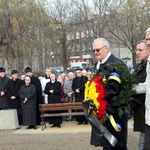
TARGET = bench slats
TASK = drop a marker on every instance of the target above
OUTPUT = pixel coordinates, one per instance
(60, 107)
(61, 104)
(63, 114)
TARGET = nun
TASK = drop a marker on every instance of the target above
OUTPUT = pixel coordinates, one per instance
(27, 95)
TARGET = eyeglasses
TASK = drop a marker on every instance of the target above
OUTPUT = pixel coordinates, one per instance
(98, 49)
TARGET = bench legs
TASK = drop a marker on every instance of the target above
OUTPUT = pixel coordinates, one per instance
(43, 123)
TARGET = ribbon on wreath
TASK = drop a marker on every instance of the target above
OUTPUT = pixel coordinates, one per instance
(115, 125)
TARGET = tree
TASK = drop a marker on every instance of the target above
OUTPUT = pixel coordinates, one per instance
(129, 19)
(25, 28)
(61, 12)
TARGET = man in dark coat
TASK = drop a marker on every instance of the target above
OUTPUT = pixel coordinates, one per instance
(53, 90)
(104, 57)
(78, 86)
(36, 82)
(142, 53)
(14, 86)
(3, 89)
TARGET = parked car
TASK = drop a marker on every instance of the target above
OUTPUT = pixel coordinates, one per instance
(89, 68)
(59, 69)
(72, 68)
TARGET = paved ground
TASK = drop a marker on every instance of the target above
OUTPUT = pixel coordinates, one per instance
(69, 137)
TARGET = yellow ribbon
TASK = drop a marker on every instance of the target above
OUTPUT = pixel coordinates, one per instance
(114, 78)
(115, 126)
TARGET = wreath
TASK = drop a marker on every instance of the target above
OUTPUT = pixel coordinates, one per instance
(112, 86)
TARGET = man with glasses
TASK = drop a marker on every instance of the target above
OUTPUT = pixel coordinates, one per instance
(104, 57)
(144, 88)
(142, 54)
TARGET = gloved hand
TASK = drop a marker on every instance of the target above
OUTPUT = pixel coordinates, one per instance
(112, 93)
(111, 110)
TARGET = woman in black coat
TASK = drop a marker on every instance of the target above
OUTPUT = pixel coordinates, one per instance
(27, 95)
(53, 90)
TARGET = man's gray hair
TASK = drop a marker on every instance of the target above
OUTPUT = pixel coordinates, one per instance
(142, 41)
(147, 30)
(103, 40)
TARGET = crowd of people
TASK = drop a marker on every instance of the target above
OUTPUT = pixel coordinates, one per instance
(26, 93)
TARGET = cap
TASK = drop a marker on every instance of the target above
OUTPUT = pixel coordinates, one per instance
(78, 70)
(2, 69)
(27, 69)
(14, 71)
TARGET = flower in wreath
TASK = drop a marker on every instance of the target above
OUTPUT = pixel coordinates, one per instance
(112, 93)
(95, 90)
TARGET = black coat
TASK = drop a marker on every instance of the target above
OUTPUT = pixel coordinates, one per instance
(3, 87)
(39, 99)
(96, 138)
(79, 82)
(13, 90)
(37, 83)
(139, 108)
(28, 108)
(56, 96)
(28, 91)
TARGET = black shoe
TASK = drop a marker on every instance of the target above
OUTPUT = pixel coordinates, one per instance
(59, 126)
(35, 128)
(85, 123)
(29, 127)
(79, 123)
(53, 126)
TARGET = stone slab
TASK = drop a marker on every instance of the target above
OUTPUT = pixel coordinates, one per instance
(8, 119)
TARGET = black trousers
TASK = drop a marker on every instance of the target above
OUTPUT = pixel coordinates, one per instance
(147, 138)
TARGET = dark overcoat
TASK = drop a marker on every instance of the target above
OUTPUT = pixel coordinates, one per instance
(3, 87)
(96, 138)
(36, 82)
(54, 97)
(28, 108)
(79, 82)
(13, 90)
(139, 108)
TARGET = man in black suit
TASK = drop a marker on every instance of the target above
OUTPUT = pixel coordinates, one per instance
(36, 82)
(14, 86)
(104, 58)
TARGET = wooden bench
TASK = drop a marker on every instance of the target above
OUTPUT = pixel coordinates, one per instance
(66, 109)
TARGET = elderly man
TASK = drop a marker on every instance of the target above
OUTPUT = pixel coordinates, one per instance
(78, 86)
(144, 88)
(13, 89)
(142, 54)
(104, 58)
(68, 88)
(4, 104)
(43, 83)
